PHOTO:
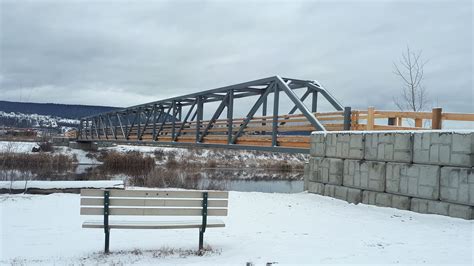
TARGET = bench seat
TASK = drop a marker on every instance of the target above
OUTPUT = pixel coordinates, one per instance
(153, 224)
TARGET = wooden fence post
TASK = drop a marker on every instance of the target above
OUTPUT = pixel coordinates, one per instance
(392, 121)
(418, 122)
(436, 119)
(370, 118)
(347, 118)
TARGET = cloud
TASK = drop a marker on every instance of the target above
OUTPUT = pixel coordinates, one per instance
(126, 53)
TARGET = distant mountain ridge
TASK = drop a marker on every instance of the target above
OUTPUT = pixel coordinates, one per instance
(71, 111)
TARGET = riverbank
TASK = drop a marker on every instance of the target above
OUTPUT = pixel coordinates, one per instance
(261, 227)
(162, 167)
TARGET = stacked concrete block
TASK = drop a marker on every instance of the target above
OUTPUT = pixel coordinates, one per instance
(427, 172)
(461, 211)
(315, 187)
(457, 185)
(330, 190)
(442, 208)
(318, 144)
(421, 181)
(386, 200)
(444, 148)
(307, 172)
(389, 147)
(364, 174)
(350, 195)
(345, 145)
(429, 206)
(326, 170)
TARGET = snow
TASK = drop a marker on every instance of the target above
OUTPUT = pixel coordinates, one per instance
(36, 120)
(261, 227)
(20, 147)
(61, 184)
(26, 147)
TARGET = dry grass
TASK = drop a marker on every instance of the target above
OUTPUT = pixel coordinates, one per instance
(131, 163)
(124, 257)
(36, 161)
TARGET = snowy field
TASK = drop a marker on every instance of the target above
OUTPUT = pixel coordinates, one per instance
(261, 227)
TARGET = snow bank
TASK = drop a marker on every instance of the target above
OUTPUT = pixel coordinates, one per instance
(285, 228)
(20, 147)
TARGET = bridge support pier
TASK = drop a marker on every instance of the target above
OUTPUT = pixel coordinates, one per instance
(84, 145)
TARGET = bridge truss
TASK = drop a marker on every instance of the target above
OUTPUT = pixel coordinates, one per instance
(179, 121)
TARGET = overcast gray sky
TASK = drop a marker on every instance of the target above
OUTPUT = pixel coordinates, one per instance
(127, 53)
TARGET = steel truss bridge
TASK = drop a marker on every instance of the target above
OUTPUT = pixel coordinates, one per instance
(180, 121)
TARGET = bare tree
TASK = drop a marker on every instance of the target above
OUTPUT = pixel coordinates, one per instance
(409, 69)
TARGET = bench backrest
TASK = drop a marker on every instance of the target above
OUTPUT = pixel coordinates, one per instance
(154, 202)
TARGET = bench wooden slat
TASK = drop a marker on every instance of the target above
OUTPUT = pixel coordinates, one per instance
(154, 193)
(153, 202)
(154, 211)
(153, 224)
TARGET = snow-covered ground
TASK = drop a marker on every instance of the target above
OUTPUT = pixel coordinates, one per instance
(261, 227)
(26, 147)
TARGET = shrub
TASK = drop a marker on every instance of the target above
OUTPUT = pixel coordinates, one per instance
(46, 146)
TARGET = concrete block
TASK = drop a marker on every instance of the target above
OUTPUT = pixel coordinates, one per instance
(461, 211)
(345, 145)
(388, 146)
(330, 190)
(364, 174)
(318, 144)
(457, 185)
(442, 208)
(429, 206)
(385, 200)
(340, 192)
(421, 181)
(401, 202)
(315, 187)
(354, 195)
(350, 195)
(307, 173)
(444, 148)
(327, 170)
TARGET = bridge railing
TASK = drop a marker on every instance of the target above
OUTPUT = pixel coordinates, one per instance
(372, 119)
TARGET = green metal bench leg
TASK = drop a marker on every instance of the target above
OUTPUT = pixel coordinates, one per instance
(107, 240)
(201, 239)
(106, 221)
(204, 220)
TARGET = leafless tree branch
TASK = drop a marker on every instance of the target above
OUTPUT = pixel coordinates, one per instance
(410, 70)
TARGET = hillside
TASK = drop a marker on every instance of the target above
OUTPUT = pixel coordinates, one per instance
(71, 111)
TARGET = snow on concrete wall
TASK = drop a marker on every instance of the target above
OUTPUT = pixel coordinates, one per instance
(426, 172)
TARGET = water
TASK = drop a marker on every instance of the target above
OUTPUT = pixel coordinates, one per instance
(229, 179)
(275, 186)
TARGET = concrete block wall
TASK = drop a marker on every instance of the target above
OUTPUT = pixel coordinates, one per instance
(425, 171)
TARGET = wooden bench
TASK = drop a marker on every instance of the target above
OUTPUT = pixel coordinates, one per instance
(154, 203)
